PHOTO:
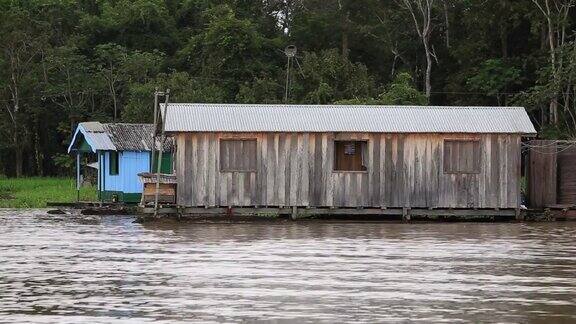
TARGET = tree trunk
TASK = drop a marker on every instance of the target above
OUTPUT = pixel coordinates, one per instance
(113, 90)
(18, 154)
(345, 31)
(428, 76)
(504, 40)
(554, 110)
(447, 22)
(39, 156)
(424, 29)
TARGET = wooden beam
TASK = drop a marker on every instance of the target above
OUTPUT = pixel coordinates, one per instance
(406, 213)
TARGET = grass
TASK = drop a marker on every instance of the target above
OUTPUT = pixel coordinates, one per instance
(36, 192)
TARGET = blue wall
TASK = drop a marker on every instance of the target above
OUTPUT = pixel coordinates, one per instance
(130, 164)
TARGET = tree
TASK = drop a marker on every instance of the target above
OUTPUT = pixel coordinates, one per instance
(327, 77)
(68, 81)
(183, 87)
(110, 58)
(21, 45)
(547, 89)
(421, 12)
(400, 92)
(493, 77)
(556, 13)
(63, 62)
(230, 50)
(117, 67)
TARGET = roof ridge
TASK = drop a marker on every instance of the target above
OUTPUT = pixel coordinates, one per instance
(131, 124)
(331, 106)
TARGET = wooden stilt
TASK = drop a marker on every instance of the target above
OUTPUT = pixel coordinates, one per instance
(405, 214)
(519, 214)
(294, 213)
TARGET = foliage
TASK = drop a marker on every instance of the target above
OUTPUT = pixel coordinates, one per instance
(63, 62)
(327, 77)
(64, 163)
(400, 92)
(493, 77)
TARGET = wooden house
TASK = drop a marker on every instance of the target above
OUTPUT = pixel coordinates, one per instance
(314, 156)
(121, 152)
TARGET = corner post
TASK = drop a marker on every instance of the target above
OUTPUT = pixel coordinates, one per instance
(160, 150)
(78, 184)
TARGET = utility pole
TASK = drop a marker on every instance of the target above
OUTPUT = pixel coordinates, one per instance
(155, 129)
(160, 150)
(290, 52)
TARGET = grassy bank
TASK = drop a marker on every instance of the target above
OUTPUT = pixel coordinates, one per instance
(35, 192)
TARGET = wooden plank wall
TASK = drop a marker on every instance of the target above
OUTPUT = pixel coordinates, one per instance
(567, 176)
(542, 174)
(296, 169)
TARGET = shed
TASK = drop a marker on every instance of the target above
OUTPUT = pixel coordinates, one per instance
(551, 173)
(348, 156)
(121, 151)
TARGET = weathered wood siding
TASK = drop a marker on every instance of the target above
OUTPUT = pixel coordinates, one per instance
(296, 169)
(551, 174)
(567, 176)
(542, 174)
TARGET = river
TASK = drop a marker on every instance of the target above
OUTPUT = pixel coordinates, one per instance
(71, 269)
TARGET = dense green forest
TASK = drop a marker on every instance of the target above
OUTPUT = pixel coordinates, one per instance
(66, 61)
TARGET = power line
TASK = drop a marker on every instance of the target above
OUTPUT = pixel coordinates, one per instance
(276, 84)
(557, 146)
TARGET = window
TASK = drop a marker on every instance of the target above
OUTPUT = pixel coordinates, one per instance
(238, 155)
(462, 156)
(350, 155)
(114, 165)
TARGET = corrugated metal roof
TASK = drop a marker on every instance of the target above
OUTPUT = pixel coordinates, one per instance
(95, 135)
(117, 137)
(185, 117)
(130, 137)
(93, 127)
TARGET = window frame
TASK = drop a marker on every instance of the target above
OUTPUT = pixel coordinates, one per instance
(477, 167)
(237, 139)
(114, 169)
(364, 147)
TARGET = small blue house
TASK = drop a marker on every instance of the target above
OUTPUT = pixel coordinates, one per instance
(120, 151)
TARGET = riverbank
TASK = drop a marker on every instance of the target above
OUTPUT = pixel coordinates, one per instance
(37, 192)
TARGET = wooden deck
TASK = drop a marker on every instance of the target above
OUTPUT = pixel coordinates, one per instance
(294, 213)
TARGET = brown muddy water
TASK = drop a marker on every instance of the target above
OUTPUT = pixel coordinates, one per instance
(72, 269)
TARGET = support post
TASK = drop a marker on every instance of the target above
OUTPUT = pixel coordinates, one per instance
(78, 184)
(519, 215)
(294, 215)
(99, 176)
(156, 94)
(405, 214)
(160, 150)
(287, 91)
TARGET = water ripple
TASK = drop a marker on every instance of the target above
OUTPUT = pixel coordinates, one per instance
(70, 269)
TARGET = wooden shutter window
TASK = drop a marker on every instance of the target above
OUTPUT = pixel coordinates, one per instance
(350, 156)
(238, 155)
(462, 156)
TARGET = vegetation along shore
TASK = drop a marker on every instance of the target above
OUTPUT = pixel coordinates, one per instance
(36, 192)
